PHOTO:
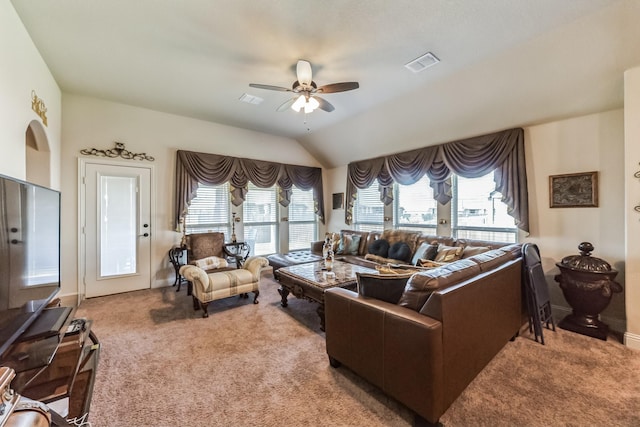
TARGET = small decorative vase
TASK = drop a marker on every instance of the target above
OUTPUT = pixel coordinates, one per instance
(587, 284)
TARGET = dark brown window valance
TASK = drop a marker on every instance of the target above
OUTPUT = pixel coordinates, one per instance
(501, 152)
(213, 169)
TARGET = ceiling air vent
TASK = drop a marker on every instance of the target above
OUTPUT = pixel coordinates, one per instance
(250, 99)
(423, 62)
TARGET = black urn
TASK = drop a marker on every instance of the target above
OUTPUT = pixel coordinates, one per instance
(587, 284)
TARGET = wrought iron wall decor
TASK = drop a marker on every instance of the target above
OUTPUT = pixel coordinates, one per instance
(117, 151)
(37, 105)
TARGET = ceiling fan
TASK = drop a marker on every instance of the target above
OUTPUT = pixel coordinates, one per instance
(306, 91)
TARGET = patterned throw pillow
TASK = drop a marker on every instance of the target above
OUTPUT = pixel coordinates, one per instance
(448, 253)
(349, 244)
(211, 262)
(426, 251)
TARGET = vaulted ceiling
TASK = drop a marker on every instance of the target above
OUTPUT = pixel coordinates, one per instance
(504, 63)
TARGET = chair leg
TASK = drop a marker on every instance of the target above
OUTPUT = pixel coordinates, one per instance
(196, 305)
(255, 296)
(205, 308)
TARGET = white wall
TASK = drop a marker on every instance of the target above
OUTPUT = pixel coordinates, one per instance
(21, 71)
(335, 181)
(93, 123)
(632, 218)
(589, 143)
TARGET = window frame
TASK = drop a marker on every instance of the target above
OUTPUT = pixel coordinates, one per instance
(446, 221)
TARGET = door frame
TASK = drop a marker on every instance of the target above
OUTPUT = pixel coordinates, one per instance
(82, 163)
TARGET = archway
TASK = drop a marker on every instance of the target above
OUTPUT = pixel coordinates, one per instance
(38, 155)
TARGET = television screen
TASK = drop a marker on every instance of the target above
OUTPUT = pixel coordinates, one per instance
(29, 254)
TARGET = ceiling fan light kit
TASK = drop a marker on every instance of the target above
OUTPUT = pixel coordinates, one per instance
(306, 89)
(309, 104)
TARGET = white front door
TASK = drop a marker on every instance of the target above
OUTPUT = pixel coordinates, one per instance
(117, 230)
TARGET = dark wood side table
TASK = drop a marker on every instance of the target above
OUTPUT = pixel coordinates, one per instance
(238, 251)
(177, 258)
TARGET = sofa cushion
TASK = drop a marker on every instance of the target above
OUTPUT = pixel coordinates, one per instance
(407, 236)
(491, 259)
(420, 286)
(514, 248)
(474, 250)
(401, 251)
(379, 247)
(435, 239)
(474, 242)
(426, 251)
(448, 253)
(349, 244)
(385, 287)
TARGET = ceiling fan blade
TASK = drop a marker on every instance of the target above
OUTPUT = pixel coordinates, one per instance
(286, 105)
(338, 87)
(324, 105)
(269, 87)
(303, 71)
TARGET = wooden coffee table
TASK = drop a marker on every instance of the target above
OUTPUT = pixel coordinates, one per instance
(309, 281)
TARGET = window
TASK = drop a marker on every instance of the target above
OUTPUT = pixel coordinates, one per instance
(260, 220)
(368, 210)
(414, 207)
(477, 211)
(209, 211)
(302, 219)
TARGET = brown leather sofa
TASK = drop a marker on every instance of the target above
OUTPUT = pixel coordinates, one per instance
(412, 238)
(424, 354)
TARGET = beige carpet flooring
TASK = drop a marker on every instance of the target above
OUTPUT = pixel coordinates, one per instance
(162, 364)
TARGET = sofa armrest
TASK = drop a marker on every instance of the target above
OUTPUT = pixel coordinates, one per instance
(395, 348)
(197, 276)
(255, 264)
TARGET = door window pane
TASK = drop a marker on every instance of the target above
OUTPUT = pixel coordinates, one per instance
(118, 225)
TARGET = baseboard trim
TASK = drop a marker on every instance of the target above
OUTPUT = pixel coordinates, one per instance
(632, 340)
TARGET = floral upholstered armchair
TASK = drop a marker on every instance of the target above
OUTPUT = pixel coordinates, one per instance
(206, 250)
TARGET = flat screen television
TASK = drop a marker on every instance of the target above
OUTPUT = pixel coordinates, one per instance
(29, 255)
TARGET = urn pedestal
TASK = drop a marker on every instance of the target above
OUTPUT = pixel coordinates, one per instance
(587, 284)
